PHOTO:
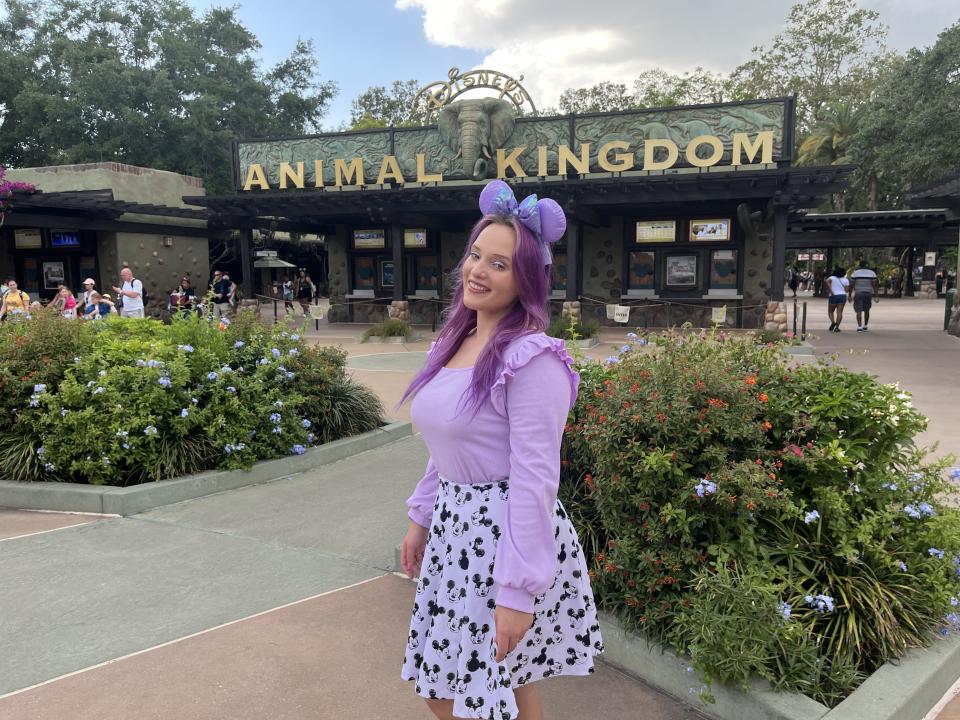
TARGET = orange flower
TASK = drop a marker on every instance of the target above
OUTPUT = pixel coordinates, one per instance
(592, 574)
(661, 417)
(767, 425)
(762, 397)
(751, 380)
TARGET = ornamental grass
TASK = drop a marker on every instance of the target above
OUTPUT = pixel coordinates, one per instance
(762, 519)
(128, 401)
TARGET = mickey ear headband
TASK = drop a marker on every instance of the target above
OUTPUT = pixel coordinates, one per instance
(544, 218)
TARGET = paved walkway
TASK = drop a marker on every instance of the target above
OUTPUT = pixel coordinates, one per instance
(278, 601)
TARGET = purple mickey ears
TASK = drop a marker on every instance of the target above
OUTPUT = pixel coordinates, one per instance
(497, 198)
(553, 221)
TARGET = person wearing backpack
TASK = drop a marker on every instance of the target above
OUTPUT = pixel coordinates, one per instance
(15, 302)
(130, 295)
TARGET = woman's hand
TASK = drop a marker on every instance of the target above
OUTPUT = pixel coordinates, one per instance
(411, 552)
(511, 625)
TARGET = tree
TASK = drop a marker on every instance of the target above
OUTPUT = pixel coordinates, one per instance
(830, 51)
(658, 88)
(378, 107)
(602, 97)
(144, 82)
(910, 132)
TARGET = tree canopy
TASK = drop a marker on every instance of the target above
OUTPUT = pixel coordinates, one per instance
(145, 82)
(379, 107)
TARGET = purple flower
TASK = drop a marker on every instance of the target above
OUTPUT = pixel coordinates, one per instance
(935, 552)
(811, 516)
(185, 348)
(184, 412)
(298, 449)
(306, 424)
(902, 565)
(275, 418)
(820, 603)
(231, 389)
(39, 388)
(295, 337)
(612, 359)
(785, 610)
(149, 430)
(705, 487)
(239, 344)
(212, 375)
(164, 381)
(955, 473)
(275, 352)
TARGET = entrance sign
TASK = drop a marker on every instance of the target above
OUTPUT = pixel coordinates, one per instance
(494, 141)
(442, 92)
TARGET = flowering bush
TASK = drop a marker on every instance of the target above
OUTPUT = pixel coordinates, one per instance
(769, 521)
(141, 401)
(6, 192)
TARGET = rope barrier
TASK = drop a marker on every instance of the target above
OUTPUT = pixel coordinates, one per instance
(647, 302)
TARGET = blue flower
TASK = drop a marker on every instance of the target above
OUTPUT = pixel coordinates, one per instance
(97, 390)
(705, 487)
(231, 389)
(612, 359)
(126, 446)
(912, 512)
(275, 418)
(306, 424)
(239, 344)
(228, 449)
(902, 565)
(34, 402)
(277, 429)
(295, 337)
(954, 601)
(39, 388)
(811, 516)
(890, 486)
(298, 449)
(226, 369)
(820, 603)
(141, 363)
(194, 401)
(275, 352)
(785, 610)
(41, 451)
(185, 348)
(63, 412)
(212, 375)
(624, 348)
(642, 341)
(49, 467)
(934, 552)
(184, 412)
(294, 351)
(149, 430)
(154, 363)
(278, 404)
(310, 438)
(122, 433)
(101, 373)
(854, 487)
(952, 618)
(290, 376)
(955, 473)
(164, 381)
(632, 335)
(926, 509)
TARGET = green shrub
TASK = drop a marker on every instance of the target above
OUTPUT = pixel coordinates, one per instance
(566, 328)
(719, 479)
(146, 401)
(388, 328)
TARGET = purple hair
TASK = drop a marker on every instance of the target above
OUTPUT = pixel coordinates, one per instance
(528, 314)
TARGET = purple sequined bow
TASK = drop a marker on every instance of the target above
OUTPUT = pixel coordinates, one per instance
(544, 218)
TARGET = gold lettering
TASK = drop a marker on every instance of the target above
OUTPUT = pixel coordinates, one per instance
(763, 143)
(624, 161)
(650, 147)
(710, 140)
(422, 175)
(318, 173)
(288, 173)
(497, 79)
(580, 164)
(390, 169)
(542, 160)
(350, 175)
(505, 161)
(256, 176)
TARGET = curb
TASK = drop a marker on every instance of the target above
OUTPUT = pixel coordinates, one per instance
(110, 500)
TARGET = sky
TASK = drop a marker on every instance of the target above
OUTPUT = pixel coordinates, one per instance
(554, 44)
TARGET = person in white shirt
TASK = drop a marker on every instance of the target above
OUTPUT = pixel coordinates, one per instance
(131, 294)
(837, 286)
(88, 290)
(865, 286)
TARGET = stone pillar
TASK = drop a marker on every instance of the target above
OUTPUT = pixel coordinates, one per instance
(246, 235)
(396, 238)
(399, 310)
(779, 252)
(776, 316)
(908, 280)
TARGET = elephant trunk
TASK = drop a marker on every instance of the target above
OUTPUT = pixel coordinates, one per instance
(471, 144)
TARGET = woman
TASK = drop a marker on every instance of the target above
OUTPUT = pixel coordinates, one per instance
(304, 290)
(503, 597)
(65, 302)
(183, 298)
(288, 295)
(837, 286)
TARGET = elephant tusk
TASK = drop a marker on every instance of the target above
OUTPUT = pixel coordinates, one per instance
(485, 151)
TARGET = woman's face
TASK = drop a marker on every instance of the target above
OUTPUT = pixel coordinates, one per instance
(64, 292)
(184, 283)
(489, 284)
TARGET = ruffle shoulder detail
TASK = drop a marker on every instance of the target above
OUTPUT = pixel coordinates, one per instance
(520, 352)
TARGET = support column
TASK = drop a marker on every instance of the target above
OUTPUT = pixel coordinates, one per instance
(246, 269)
(779, 252)
(908, 280)
(398, 307)
(571, 306)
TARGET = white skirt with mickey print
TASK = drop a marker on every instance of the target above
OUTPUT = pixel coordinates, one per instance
(450, 653)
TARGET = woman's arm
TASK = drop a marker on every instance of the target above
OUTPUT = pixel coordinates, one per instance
(420, 503)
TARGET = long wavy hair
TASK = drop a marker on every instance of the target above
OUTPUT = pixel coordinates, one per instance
(528, 314)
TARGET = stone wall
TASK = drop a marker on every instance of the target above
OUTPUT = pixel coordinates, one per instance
(757, 265)
(602, 267)
(337, 276)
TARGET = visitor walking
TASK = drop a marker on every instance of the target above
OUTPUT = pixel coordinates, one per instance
(223, 290)
(130, 295)
(794, 279)
(865, 285)
(497, 557)
(837, 286)
(288, 295)
(15, 301)
(304, 290)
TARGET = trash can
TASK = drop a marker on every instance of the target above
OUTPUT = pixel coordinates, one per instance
(951, 296)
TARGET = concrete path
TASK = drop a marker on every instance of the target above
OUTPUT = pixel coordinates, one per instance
(271, 601)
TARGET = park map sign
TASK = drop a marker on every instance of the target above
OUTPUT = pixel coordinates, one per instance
(476, 139)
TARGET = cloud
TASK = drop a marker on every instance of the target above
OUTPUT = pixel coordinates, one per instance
(558, 44)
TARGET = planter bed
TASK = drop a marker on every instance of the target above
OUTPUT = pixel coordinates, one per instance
(112, 500)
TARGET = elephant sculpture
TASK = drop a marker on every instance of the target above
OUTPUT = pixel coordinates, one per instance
(474, 129)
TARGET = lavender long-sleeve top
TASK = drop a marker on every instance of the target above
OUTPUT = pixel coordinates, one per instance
(516, 436)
